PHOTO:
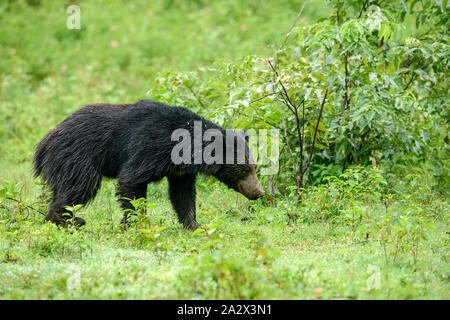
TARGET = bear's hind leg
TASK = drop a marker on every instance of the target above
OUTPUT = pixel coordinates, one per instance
(72, 195)
(182, 196)
(126, 192)
(59, 215)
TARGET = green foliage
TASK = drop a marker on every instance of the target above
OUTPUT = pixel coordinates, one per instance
(404, 230)
(388, 86)
(153, 234)
(224, 276)
(344, 198)
(362, 249)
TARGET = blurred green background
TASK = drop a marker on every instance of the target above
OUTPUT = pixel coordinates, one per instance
(47, 71)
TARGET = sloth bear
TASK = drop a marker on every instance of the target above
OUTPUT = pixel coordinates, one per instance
(139, 143)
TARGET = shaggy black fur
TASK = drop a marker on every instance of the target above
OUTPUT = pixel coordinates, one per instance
(130, 142)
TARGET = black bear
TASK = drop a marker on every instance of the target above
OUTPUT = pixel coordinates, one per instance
(135, 144)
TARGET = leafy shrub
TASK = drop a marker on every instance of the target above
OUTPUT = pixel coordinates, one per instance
(387, 86)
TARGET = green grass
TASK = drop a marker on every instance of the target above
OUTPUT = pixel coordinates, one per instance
(253, 253)
(249, 250)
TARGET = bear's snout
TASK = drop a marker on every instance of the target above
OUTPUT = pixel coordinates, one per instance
(251, 187)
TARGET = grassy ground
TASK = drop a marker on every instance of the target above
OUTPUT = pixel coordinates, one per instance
(248, 249)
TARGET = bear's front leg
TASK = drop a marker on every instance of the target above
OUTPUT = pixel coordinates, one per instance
(182, 196)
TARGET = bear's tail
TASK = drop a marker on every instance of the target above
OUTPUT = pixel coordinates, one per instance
(68, 168)
(39, 157)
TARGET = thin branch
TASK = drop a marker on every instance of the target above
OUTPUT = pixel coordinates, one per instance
(303, 101)
(290, 150)
(345, 99)
(303, 118)
(422, 36)
(292, 26)
(363, 8)
(286, 95)
(381, 42)
(265, 96)
(410, 81)
(303, 135)
(286, 103)
(300, 144)
(270, 123)
(281, 101)
(337, 14)
(315, 132)
(27, 206)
